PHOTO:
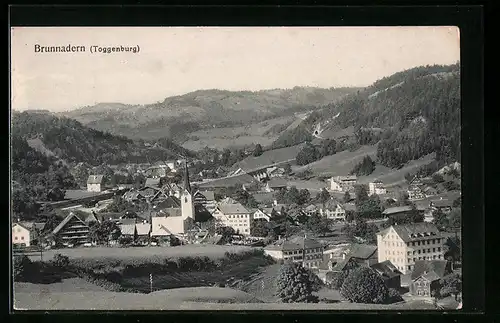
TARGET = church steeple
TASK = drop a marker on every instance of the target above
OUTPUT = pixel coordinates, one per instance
(187, 184)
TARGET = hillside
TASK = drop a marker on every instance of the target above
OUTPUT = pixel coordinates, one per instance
(179, 115)
(69, 140)
(409, 114)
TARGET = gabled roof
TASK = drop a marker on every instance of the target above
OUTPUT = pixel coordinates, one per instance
(169, 202)
(233, 209)
(415, 231)
(311, 208)
(261, 197)
(170, 212)
(442, 203)
(361, 251)
(152, 182)
(386, 269)
(68, 218)
(434, 269)
(340, 266)
(332, 204)
(127, 229)
(143, 228)
(296, 243)
(95, 179)
(277, 183)
(209, 195)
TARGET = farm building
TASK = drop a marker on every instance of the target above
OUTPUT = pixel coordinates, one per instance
(95, 183)
(389, 273)
(275, 184)
(74, 229)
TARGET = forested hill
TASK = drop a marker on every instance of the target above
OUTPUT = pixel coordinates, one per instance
(69, 140)
(177, 116)
(410, 114)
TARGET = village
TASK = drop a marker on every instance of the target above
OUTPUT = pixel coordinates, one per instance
(253, 204)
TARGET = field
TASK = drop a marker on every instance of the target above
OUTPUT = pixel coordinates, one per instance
(238, 136)
(66, 297)
(343, 162)
(211, 251)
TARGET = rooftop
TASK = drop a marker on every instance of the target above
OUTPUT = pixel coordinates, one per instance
(361, 251)
(95, 179)
(236, 208)
(434, 270)
(297, 243)
(414, 231)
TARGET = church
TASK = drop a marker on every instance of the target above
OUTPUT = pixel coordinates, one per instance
(175, 220)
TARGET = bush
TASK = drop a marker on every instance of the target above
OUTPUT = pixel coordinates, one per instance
(294, 284)
(363, 285)
(22, 268)
(394, 296)
(316, 282)
(60, 261)
(338, 279)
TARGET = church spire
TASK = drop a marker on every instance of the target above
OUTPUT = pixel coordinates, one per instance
(187, 185)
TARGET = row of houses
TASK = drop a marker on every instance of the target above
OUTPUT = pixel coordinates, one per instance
(414, 252)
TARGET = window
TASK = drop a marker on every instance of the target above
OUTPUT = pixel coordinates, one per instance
(22, 237)
(439, 249)
(409, 253)
(414, 259)
(433, 249)
(15, 238)
(419, 252)
(409, 267)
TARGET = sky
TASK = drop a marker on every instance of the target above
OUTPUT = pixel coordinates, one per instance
(177, 60)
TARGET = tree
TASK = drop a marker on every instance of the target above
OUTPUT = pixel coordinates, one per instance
(307, 155)
(371, 208)
(362, 230)
(259, 228)
(258, 150)
(451, 285)
(361, 194)
(347, 197)
(56, 194)
(365, 167)
(294, 284)
(304, 197)
(323, 196)
(60, 261)
(317, 224)
(339, 278)
(287, 168)
(363, 285)
(22, 267)
(440, 220)
(105, 231)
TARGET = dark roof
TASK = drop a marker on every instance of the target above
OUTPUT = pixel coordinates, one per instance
(397, 209)
(268, 158)
(170, 212)
(229, 181)
(340, 266)
(386, 269)
(277, 182)
(442, 203)
(440, 268)
(70, 216)
(415, 231)
(95, 179)
(109, 216)
(170, 201)
(209, 195)
(233, 209)
(361, 251)
(297, 243)
(261, 197)
(155, 182)
(186, 184)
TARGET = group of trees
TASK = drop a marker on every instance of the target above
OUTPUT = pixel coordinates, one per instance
(293, 196)
(365, 167)
(310, 153)
(450, 222)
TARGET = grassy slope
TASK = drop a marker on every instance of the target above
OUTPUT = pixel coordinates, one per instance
(212, 251)
(343, 162)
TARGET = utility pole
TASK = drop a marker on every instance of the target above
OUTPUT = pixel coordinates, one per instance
(150, 283)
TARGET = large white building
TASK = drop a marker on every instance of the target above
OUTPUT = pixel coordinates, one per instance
(376, 187)
(333, 211)
(343, 183)
(235, 216)
(309, 252)
(403, 245)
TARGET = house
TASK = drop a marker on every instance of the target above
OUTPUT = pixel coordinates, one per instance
(159, 170)
(148, 192)
(275, 184)
(333, 210)
(429, 191)
(311, 210)
(26, 234)
(389, 273)
(260, 214)
(205, 198)
(143, 231)
(443, 205)
(275, 172)
(376, 187)
(95, 183)
(426, 275)
(362, 254)
(226, 182)
(133, 196)
(336, 252)
(153, 182)
(406, 244)
(74, 229)
(235, 216)
(344, 264)
(128, 231)
(415, 191)
(343, 183)
(264, 198)
(309, 252)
